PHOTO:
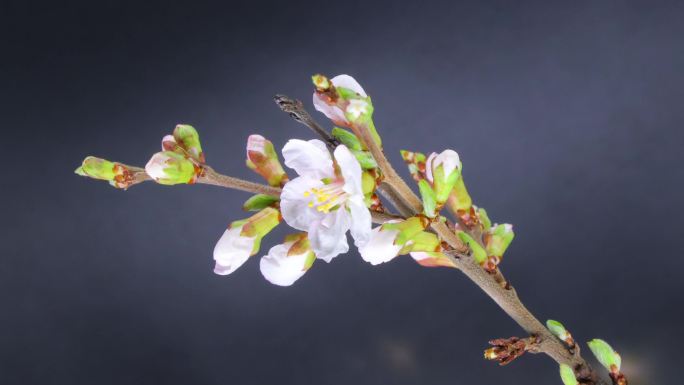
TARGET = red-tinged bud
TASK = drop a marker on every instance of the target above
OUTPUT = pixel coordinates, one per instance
(432, 259)
(491, 263)
(263, 159)
(505, 350)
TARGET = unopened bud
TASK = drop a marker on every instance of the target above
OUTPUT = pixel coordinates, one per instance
(263, 159)
(242, 239)
(506, 350)
(444, 171)
(97, 168)
(498, 238)
(557, 329)
(117, 174)
(170, 168)
(432, 259)
(187, 138)
(321, 82)
(365, 159)
(605, 354)
(347, 138)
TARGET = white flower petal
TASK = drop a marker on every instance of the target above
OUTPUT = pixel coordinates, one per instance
(428, 167)
(156, 165)
(333, 113)
(279, 268)
(349, 82)
(328, 237)
(360, 220)
(380, 248)
(232, 250)
(310, 158)
(294, 205)
(350, 169)
(420, 255)
(168, 143)
(449, 160)
(256, 143)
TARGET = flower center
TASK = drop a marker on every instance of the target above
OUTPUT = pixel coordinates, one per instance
(327, 197)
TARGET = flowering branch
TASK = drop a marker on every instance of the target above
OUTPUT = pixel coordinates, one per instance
(335, 194)
(504, 295)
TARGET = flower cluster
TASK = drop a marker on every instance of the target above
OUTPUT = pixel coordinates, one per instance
(332, 193)
(181, 159)
(440, 181)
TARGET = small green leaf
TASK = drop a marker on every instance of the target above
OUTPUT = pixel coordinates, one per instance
(557, 329)
(479, 253)
(428, 195)
(169, 168)
(367, 183)
(347, 138)
(259, 201)
(605, 354)
(310, 259)
(484, 218)
(460, 198)
(568, 375)
(365, 159)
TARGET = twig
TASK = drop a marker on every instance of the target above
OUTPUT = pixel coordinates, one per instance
(209, 176)
(296, 110)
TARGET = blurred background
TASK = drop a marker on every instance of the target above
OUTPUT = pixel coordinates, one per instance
(568, 117)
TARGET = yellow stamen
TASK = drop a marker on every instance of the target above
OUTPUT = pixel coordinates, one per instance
(325, 198)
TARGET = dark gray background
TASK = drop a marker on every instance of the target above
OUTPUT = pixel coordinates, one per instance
(568, 117)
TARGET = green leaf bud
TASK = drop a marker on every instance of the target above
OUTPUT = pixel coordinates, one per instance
(259, 201)
(478, 253)
(605, 354)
